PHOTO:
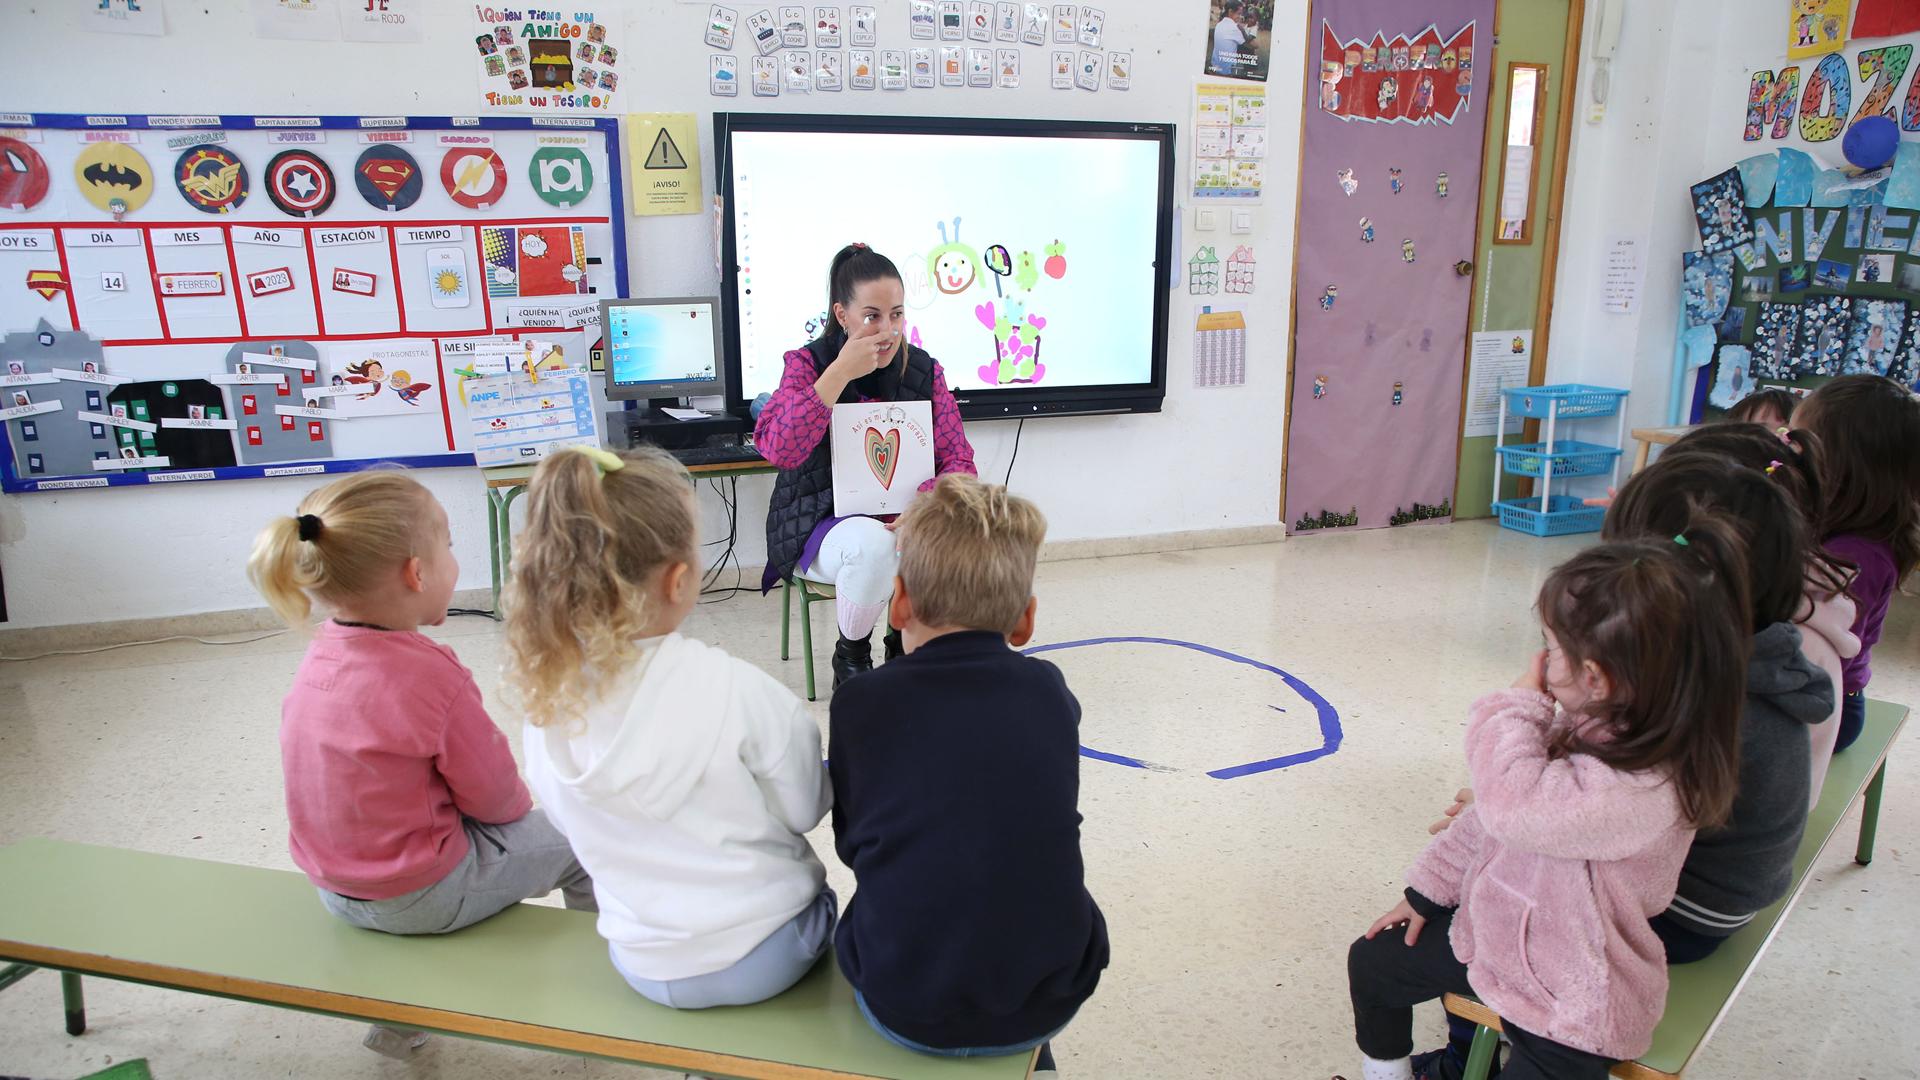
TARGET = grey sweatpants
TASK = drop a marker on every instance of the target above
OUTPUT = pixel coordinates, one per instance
(774, 965)
(506, 864)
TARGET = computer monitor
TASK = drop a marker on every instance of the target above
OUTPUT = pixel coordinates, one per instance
(664, 347)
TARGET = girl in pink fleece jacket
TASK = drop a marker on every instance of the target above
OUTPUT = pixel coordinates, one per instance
(403, 803)
(1591, 775)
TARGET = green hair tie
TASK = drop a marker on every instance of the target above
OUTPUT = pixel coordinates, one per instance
(1681, 539)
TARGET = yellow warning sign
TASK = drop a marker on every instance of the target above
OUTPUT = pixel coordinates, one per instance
(665, 151)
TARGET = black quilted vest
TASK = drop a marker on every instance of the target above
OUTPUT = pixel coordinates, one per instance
(803, 497)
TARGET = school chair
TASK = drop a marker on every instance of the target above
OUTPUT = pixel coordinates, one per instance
(808, 597)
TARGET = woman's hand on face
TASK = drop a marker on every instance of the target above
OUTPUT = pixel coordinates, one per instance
(863, 355)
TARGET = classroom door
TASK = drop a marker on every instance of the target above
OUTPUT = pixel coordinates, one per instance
(1390, 185)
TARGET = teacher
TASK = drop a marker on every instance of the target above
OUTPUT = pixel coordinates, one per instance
(863, 356)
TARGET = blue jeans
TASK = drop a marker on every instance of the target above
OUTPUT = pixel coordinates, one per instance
(774, 965)
(1046, 1055)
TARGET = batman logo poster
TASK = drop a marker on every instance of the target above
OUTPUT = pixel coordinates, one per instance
(114, 177)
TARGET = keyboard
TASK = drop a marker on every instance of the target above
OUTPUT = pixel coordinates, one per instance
(734, 454)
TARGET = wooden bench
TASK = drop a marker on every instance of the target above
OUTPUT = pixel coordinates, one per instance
(532, 976)
(1701, 993)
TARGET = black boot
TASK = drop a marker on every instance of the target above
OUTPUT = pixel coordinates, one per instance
(896, 648)
(851, 658)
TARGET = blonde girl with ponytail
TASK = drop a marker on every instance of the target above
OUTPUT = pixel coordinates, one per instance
(403, 803)
(684, 778)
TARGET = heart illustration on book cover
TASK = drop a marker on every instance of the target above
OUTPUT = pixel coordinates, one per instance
(883, 455)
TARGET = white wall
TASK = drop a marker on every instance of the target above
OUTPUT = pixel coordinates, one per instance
(1676, 115)
(1210, 460)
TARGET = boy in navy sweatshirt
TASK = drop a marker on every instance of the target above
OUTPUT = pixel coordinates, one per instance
(956, 776)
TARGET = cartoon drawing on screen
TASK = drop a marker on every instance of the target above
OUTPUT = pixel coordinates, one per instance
(1026, 272)
(953, 266)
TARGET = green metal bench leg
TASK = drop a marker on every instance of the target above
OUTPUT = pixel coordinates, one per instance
(493, 545)
(806, 638)
(786, 620)
(1870, 817)
(76, 1003)
(13, 973)
(1486, 1043)
(506, 533)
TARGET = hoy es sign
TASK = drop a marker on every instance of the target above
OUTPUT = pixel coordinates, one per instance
(1825, 106)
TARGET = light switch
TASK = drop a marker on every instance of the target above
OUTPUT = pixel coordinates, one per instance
(1206, 220)
(1242, 222)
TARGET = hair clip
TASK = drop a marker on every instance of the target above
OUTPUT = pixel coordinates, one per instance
(858, 246)
(1681, 539)
(309, 527)
(1786, 435)
(604, 461)
(1772, 465)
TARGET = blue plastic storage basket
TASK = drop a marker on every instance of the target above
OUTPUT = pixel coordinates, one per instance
(1564, 515)
(1574, 399)
(1569, 459)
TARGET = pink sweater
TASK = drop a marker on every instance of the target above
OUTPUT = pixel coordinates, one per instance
(1556, 868)
(385, 746)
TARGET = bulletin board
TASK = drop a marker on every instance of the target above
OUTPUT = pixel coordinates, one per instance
(1804, 274)
(225, 297)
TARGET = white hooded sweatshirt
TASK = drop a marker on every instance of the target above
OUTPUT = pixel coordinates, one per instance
(684, 791)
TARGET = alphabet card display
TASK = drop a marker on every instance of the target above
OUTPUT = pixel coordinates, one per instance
(882, 453)
(260, 296)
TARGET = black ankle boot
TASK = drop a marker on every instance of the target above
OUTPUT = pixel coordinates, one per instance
(896, 648)
(851, 658)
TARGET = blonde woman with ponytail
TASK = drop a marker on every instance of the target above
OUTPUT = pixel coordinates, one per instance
(404, 806)
(683, 777)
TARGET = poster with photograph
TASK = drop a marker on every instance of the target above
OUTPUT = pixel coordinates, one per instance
(1720, 208)
(569, 67)
(1824, 324)
(1238, 40)
(1874, 338)
(1732, 376)
(1775, 340)
(1707, 285)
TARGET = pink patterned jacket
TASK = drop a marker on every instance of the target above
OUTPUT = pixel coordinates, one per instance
(795, 420)
(1555, 869)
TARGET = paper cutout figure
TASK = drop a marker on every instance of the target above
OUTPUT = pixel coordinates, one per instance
(1366, 230)
(113, 177)
(1440, 185)
(1393, 180)
(1406, 249)
(1399, 393)
(1319, 387)
(1732, 377)
(883, 455)
(1327, 298)
(1707, 286)
(1873, 339)
(1720, 208)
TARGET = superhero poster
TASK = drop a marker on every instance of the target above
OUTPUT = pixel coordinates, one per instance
(1420, 80)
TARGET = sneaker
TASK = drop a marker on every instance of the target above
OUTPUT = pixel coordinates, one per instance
(396, 1043)
(1446, 1064)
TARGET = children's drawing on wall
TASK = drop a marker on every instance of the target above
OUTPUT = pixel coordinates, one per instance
(1732, 377)
(1875, 335)
(1824, 324)
(1720, 208)
(1775, 340)
(1239, 38)
(1816, 27)
(561, 66)
(1707, 284)
(1422, 80)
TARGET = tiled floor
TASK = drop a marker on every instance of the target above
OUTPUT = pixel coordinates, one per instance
(1231, 901)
